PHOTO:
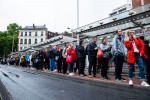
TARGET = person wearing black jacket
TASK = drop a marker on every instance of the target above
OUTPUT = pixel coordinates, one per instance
(77, 61)
(52, 54)
(81, 58)
(36, 60)
(59, 60)
(92, 53)
(41, 59)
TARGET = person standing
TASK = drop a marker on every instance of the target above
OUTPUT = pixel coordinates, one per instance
(72, 52)
(65, 63)
(92, 53)
(119, 53)
(135, 53)
(81, 58)
(27, 60)
(59, 59)
(41, 58)
(105, 59)
(52, 54)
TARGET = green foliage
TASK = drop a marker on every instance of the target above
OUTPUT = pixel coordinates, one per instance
(66, 33)
(6, 39)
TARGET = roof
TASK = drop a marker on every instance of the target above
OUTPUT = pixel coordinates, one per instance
(34, 28)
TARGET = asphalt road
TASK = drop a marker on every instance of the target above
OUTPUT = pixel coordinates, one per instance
(25, 84)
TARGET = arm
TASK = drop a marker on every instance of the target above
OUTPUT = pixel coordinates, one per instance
(128, 44)
(115, 45)
(104, 49)
(90, 48)
(80, 48)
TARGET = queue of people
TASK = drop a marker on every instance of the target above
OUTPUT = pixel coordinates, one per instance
(61, 59)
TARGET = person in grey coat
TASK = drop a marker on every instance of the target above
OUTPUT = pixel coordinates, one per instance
(105, 59)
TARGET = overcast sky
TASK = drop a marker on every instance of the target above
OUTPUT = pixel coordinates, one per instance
(56, 14)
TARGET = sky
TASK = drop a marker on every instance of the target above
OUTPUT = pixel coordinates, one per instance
(57, 15)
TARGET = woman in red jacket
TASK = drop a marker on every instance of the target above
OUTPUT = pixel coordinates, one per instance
(72, 52)
(135, 53)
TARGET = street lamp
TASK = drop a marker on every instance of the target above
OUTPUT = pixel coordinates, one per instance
(13, 42)
(77, 21)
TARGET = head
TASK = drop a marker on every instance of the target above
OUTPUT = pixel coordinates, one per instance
(28, 53)
(94, 39)
(81, 43)
(104, 39)
(71, 45)
(55, 47)
(119, 32)
(67, 45)
(129, 33)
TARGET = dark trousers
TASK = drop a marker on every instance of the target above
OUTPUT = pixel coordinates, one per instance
(27, 63)
(77, 65)
(92, 63)
(46, 64)
(104, 67)
(37, 66)
(59, 64)
(41, 63)
(99, 63)
(119, 59)
(81, 66)
(65, 65)
(148, 70)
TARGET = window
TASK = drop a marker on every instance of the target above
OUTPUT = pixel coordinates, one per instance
(25, 47)
(20, 48)
(41, 33)
(21, 34)
(25, 41)
(41, 39)
(29, 33)
(21, 41)
(25, 33)
(35, 41)
(35, 33)
(29, 41)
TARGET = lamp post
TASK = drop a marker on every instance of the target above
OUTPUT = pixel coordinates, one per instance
(77, 21)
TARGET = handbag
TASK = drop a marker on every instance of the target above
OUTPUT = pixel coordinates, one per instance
(99, 53)
(68, 58)
(36, 60)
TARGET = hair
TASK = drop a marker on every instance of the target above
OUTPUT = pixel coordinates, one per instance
(80, 42)
(127, 35)
(104, 37)
(117, 30)
(94, 37)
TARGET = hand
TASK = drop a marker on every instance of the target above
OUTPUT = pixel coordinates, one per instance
(96, 48)
(141, 54)
(110, 46)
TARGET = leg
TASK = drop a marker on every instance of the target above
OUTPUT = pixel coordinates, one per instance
(90, 66)
(94, 66)
(131, 68)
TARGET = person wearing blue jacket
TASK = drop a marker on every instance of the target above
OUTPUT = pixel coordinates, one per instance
(27, 60)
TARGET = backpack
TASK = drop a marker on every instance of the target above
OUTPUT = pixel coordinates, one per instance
(22, 58)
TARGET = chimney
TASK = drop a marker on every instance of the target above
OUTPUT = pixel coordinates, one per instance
(44, 25)
(33, 25)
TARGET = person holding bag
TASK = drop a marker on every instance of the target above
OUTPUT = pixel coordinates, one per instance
(72, 53)
(106, 52)
(135, 53)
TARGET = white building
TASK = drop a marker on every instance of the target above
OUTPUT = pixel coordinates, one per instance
(31, 35)
(122, 8)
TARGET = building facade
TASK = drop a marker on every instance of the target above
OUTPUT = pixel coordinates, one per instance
(137, 3)
(31, 35)
(51, 34)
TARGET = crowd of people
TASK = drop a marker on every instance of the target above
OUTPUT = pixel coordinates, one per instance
(138, 51)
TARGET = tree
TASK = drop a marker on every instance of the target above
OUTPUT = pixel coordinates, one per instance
(13, 28)
(66, 33)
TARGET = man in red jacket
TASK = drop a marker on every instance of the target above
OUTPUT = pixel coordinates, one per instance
(135, 52)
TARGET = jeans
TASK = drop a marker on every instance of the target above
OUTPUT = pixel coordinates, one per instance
(119, 59)
(92, 63)
(148, 70)
(139, 61)
(52, 64)
(71, 66)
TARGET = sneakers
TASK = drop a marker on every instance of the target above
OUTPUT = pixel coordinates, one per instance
(130, 82)
(123, 79)
(71, 74)
(81, 75)
(145, 84)
(90, 76)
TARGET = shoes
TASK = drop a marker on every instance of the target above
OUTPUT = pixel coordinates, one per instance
(94, 76)
(104, 78)
(130, 82)
(119, 80)
(71, 74)
(90, 76)
(55, 70)
(84, 74)
(81, 75)
(123, 79)
(145, 84)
